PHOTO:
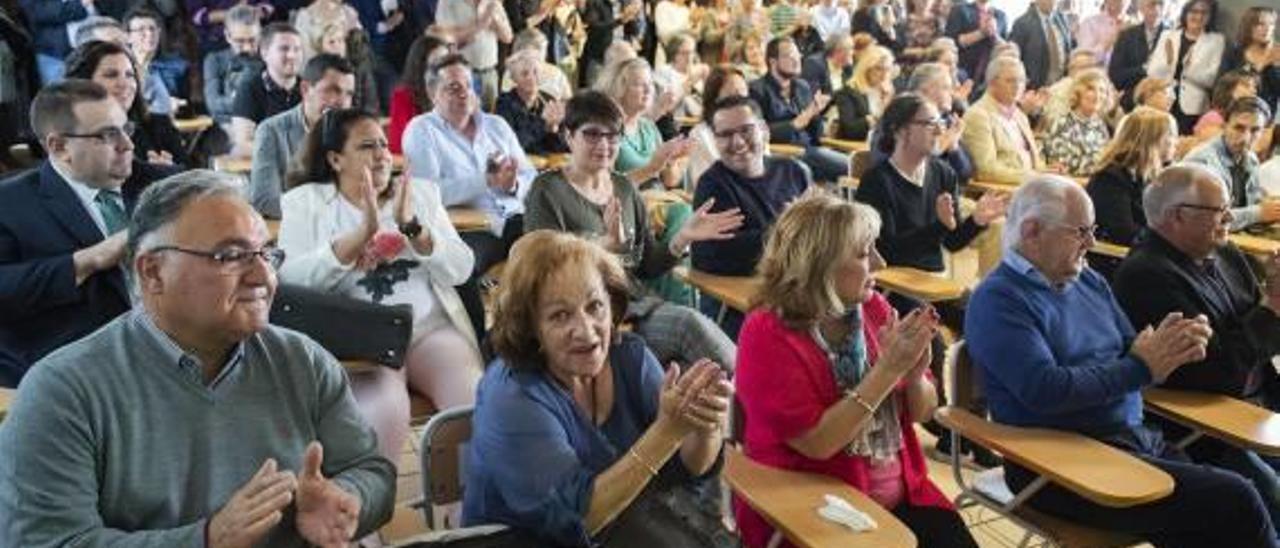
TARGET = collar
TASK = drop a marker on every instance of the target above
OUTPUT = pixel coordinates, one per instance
(1247, 160)
(1163, 246)
(273, 87)
(916, 178)
(186, 362)
(86, 193)
(1020, 264)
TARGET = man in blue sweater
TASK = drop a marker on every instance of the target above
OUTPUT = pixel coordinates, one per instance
(1056, 351)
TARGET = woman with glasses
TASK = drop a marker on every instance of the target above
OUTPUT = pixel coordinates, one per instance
(863, 98)
(1074, 139)
(587, 197)
(1190, 56)
(352, 229)
(1144, 144)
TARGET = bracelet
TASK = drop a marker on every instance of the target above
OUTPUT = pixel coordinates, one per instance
(653, 472)
(858, 399)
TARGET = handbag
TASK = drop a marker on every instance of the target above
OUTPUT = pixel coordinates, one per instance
(350, 329)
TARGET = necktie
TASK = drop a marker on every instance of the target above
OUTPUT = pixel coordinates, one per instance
(111, 206)
(1055, 52)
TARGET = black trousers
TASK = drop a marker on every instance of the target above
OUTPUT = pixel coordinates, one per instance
(489, 250)
(1209, 507)
(935, 527)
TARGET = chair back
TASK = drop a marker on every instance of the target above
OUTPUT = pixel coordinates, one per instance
(964, 386)
(444, 442)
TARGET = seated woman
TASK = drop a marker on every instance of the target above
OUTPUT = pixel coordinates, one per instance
(748, 56)
(861, 101)
(1154, 92)
(829, 380)
(587, 197)
(723, 82)
(576, 420)
(1143, 146)
(1230, 86)
(551, 78)
(532, 113)
(1074, 139)
(683, 74)
(349, 228)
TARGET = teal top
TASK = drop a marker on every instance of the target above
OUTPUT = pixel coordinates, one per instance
(638, 147)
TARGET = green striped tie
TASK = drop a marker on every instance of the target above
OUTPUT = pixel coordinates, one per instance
(111, 206)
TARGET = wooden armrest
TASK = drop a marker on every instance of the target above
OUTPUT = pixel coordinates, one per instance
(1089, 468)
(6, 399)
(789, 500)
(1109, 249)
(193, 125)
(919, 284)
(1255, 245)
(1235, 421)
(359, 366)
(467, 219)
(785, 150)
(734, 291)
(845, 145)
(687, 121)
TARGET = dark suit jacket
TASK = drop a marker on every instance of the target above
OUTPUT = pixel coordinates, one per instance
(42, 222)
(1129, 58)
(815, 71)
(778, 111)
(964, 19)
(1028, 33)
(852, 109)
(49, 18)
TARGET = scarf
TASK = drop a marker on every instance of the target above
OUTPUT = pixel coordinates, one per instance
(881, 437)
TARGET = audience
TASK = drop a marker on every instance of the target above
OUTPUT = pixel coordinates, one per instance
(1127, 65)
(209, 16)
(860, 103)
(270, 92)
(1143, 146)
(478, 26)
(1232, 85)
(724, 81)
(1255, 51)
(1100, 32)
(976, 27)
(176, 394)
(1232, 157)
(643, 156)
(683, 75)
(328, 82)
(1073, 141)
(1044, 38)
(828, 71)
(145, 28)
(411, 96)
(314, 21)
(603, 451)
(1185, 265)
(829, 380)
(53, 25)
(533, 114)
(795, 112)
(1154, 92)
(223, 69)
(996, 132)
(551, 79)
(1087, 377)
(1190, 55)
(62, 227)
(934, 83)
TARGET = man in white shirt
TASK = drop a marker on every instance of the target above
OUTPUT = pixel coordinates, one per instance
(477, 26)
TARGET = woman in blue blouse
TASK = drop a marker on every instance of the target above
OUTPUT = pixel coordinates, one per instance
(574, 421)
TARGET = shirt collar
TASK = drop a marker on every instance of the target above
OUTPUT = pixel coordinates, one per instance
(1248, 159)
(1020, 264)
(186, 362)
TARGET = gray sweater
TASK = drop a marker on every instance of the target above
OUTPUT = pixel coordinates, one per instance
(114, 440)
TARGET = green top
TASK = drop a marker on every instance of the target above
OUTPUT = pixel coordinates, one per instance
(638, 147)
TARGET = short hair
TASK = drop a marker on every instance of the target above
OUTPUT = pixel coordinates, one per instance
(774, 46)
(53, 109)
(897, 115)
(163, 202)
(713, 85)
(245, 15)
(328, 135)
(1211, 25)
(1226, 85)
(734, 102)
(924, 73)
(530, 38)
(1082, 59)
(803, 251)
(83, 61)
(672, 46)
(1174, 185)
(614, 79)
(1136, 143)
(1248, 105)
(321, 63)
(433, 78)
(534, 260)
(836, 42)
(1043, 198)
(1250, 19)
(1087, 79)
(1148, 86)
(1001, 64)
(272, 30)
(85, 33)
(142, 12)
(591, 107)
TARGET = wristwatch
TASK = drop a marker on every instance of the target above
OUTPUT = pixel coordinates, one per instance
(411, 229)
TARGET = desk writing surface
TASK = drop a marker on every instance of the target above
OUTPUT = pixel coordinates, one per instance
(467, 219)
(1237, 422)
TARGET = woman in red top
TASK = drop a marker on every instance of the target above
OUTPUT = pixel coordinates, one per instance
(830, 380)
(410, 98)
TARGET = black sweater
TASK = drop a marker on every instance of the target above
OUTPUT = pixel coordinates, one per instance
(760, 200)
(1117, 201)
(910, 232)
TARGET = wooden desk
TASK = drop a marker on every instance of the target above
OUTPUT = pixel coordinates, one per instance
(789, 500)
(548, 162)
(917, 283)
(1109, 249)
(467, 219)
(982, 187)
(732, 291)
(6, 398)
(786, 151)
(193, 125)
(1237, 422)
(1255, 245)
(687, 121)
(844, 145)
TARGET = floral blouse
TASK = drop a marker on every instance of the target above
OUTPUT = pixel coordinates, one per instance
(1075, 142)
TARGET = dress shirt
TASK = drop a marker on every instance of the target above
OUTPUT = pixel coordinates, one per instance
(87, 195)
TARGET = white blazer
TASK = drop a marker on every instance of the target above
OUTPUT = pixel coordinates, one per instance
(308, 228)
(1198, 73)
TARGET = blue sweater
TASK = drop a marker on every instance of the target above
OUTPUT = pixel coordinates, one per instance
(1054, 357)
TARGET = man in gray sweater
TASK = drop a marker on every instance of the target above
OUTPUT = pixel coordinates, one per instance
(190, 421)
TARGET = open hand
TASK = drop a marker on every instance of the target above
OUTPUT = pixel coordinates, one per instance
(327, 515)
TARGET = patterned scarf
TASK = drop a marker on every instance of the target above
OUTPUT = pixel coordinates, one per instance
(881, 437)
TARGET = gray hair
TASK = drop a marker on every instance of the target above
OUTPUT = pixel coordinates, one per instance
(86, 30)
(244, 15)
(925, 73)
(1042, 198)
(999, 65)
(1174, 185)
(165, 200)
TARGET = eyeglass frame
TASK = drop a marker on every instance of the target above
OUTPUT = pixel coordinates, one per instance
(1221, 211)
(232, 260)
(746, 131)
(1082, 233)
(116, 135)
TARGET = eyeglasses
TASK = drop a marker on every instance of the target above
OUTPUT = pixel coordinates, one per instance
(112, 135)
(1083, 233)
(1218, 211)
(936, 123)
(233, 260)
(747, 133)
(595, 136)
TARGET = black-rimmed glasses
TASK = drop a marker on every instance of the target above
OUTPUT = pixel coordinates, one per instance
(113, 135)
(233, 259)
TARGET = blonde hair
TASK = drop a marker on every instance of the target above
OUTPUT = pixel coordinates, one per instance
(804, 249)
(1148, 86)
(1086, 80)
(869, 58)
(615, 78)
(1136, 145)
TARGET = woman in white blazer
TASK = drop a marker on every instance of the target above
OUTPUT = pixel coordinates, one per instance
(1191, 56)
(349, 228)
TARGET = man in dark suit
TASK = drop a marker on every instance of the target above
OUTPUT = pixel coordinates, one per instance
(1044, 37)
(1133, 46)
(836, 59)
(976, 27)
(61, 227)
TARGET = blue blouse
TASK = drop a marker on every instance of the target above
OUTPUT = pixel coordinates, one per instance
(534, 454)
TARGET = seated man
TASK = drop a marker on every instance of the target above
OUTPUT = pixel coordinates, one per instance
(476, 159)
(190, 421)
(745, 180)
(62, 227)
(273, 91)
(794, 112)
(328, 81)
(224, 68)
(1078, 365)
(829, 70)
(996, 132)
(1185, 265)
(1232, 157)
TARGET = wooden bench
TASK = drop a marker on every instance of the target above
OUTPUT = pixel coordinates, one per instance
(789, 500)
(845, 145)
(548, 162)
(786, 151)
(1109, 249)
(6, 399)
(919, 284)
(1234, 421)
(193, 125)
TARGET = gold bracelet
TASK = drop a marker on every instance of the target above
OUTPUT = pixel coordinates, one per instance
(653, 472)
(858, 399)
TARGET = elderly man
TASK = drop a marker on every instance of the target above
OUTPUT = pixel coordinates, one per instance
(997, 132)
(1232, 157)
(476, 159)
(1186, 265)
(1078, 365)
(328, 81)
(61, 227)
(224, 68)
(190, 421)
(271, 92)
(794, 111)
